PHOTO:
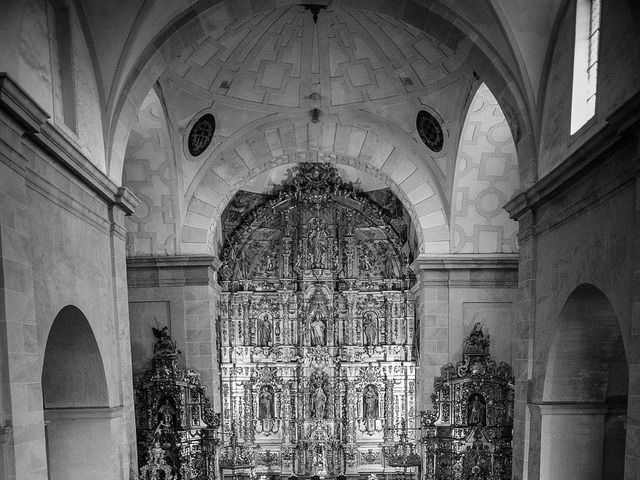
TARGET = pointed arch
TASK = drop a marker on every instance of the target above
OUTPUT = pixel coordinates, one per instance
(486, 177)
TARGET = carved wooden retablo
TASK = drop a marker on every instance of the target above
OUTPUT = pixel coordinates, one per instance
(175, 425)
(468, 437)
(316, 327)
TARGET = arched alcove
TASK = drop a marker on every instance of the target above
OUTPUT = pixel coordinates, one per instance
(585, 392)
(75, 396)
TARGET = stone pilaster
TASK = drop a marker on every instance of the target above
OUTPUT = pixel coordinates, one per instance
(523, 354)
(445, 285)
(188, 285)
(22, 444)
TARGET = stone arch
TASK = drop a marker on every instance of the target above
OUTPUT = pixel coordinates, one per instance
(284, 143)
(486, 177)
(75, 398)
(585, 392)
(202, 18)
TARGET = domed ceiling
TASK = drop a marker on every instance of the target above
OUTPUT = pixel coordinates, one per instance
(332, 84)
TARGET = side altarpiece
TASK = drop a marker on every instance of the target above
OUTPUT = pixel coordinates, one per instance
(316, 328)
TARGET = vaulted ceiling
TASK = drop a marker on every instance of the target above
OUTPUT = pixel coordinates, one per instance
(366, 73)
(122, 30)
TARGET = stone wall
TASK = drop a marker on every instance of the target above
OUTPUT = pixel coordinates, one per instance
(62, 243)
(578, 227)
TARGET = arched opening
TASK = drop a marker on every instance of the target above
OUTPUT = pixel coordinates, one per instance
(74, 390)
(585, 392)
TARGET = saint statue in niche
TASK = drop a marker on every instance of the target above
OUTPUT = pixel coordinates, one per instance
(370, 402)
(265, 407)
(317, 243)
(476, 410)
(264, 331)
(166, 412)
(318, 328)
(318, 403)
(370, 327)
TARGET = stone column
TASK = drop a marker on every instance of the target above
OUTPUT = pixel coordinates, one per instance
(525, 453)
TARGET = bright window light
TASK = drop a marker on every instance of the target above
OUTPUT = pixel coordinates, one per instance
(585, 62)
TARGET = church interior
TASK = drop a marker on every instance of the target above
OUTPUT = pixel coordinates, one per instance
(319, 239)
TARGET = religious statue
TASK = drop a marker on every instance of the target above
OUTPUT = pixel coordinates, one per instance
(370, 402)
(370, 328)
(476, 410)
(164, 345)
(366, 263)
(238, 259)
(318, 328)
(166, 412)
(319, 403)
(317, 244)
(265, 407)
(476, 342)
(264, 331)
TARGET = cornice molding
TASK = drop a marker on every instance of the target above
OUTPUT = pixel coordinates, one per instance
(82, 413)
(172, 271)
(572, 408)
(33, 118)
(464, 261)
(467, 270)
(621, 124)
(20, 105)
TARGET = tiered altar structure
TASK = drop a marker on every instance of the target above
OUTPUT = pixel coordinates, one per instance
(175, 425)
(317, 328)
(469, 435)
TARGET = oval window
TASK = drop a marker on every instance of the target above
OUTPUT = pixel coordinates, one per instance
(430, 131)
(201, 134)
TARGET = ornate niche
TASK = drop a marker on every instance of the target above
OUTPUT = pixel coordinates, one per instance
(468, 437)
(175, 425)
(316, 326)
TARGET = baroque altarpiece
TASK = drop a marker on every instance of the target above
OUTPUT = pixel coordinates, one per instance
(316, 327)
(468, 436)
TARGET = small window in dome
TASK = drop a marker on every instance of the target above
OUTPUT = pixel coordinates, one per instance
(201, 134)
(430, 131)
